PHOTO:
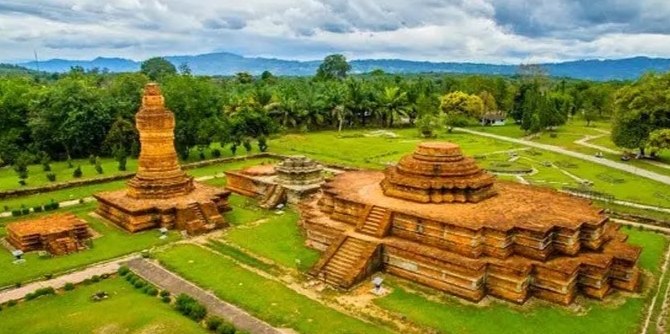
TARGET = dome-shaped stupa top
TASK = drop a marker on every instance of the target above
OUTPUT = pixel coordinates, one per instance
(438, 172)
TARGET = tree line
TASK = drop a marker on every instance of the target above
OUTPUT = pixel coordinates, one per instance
(91, 113)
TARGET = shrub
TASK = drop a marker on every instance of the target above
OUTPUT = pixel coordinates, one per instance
(123, 271)
(165, 293)
(46, 167)
(152, 292)
(11, 303)
(22, 182)
(44, 291)
(87, 281)
(140, 284)
(25, 211)
(51, 177)
(262, 144)
(68, 287)
(77, 172)
(30, 296)
(48, 276)
(104, 276)
(216, 153)
(189, 307)
(233, 149)
(226, 328)
(166, 299)
(17, 285)
(98, 168)
(95, 278)
(247, 145)
(38, 208)
(81, 201)
(16, 213)
(91, 159)
(202, 155)
(213, 323)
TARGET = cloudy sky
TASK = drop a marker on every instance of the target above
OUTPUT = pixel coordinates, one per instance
(495, 31)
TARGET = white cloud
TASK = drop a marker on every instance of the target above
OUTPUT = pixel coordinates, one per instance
(499, 31)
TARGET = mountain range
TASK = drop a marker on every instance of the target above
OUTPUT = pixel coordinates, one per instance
(224, 63)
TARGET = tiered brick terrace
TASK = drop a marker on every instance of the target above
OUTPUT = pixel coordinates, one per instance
(161, 194)
(438, 219)
(58, 234)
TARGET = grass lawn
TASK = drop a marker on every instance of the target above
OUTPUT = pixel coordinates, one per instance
(127, 311)
(113, 243)
(86, 191)
(278, 239)
(451, 316)
(245, 210)
(266, 299)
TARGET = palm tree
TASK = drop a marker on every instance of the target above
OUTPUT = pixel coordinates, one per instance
(393, 104)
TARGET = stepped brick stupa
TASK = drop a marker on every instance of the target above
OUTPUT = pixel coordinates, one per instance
(161, 194)
(57, 234)
(438, 219)
(291, 180)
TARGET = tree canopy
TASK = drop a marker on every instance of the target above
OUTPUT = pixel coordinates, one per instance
(333, 67)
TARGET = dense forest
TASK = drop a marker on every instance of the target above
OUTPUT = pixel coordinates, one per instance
(91, 113)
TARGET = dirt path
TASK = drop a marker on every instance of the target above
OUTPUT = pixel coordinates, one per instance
(163, 278)
(612, 164)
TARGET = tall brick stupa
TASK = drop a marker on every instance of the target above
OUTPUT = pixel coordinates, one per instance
(161, 194)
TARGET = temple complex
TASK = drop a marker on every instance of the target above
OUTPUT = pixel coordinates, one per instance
(290, 181)
(161, 194)
(57, 234)
(436, 218)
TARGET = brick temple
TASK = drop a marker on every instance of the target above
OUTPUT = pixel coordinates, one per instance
(291, 180)
(57, 234)
(436, 218)
(161, 194)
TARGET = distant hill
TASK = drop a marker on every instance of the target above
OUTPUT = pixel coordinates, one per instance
(228, 64)
(6, 69)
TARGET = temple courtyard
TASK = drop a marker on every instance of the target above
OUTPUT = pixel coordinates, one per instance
(261, 261)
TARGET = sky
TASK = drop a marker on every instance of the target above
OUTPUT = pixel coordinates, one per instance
(490, 31)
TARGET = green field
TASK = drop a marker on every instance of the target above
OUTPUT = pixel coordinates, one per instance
(621, 315)
(127, 311)
(264, 298)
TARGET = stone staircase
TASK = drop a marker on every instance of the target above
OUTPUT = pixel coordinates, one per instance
(274, 196)
(373, 221)
(344, 262)
(200, 223)
(62, 246)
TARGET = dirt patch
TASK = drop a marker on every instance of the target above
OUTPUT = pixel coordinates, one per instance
(111, 329)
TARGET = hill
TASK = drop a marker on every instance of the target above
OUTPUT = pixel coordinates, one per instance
(228, 64)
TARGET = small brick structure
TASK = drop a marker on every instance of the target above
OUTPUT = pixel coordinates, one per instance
(161, 194)
(436, 218)
(291, 180)
(57, 234)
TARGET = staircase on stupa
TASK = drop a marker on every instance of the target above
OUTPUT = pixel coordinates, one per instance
(347, 261)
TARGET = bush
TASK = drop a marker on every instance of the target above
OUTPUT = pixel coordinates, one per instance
(189, 307)
(11, 303)
(95, 278)
(202, 155)
(262, 144)
(77, 172)
(139, 284)
(22, 182)
(152, 292)
(216, 153)
(98, 168)
(68, 287)
(91, 159)
(51, 177)
(87, 281)
(213, 323)
(48, 276)
(38, 208)
(247, 145)
(17, 285)
(51, 206)
(25, 211)
(165, 293)
(226, 328)
(46, 167)
(123, 271)
(30, 296)
(233, 149)
(166, 299)
(16, 213)
(44, 291)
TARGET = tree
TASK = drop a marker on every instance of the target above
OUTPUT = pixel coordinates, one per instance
(157, 68)
(244, 78)
(268, 77)
(639, 110)
(462, 104)
(394, 104)
(659, 140)
(334, 66)
(489, 102)
(122, 134)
